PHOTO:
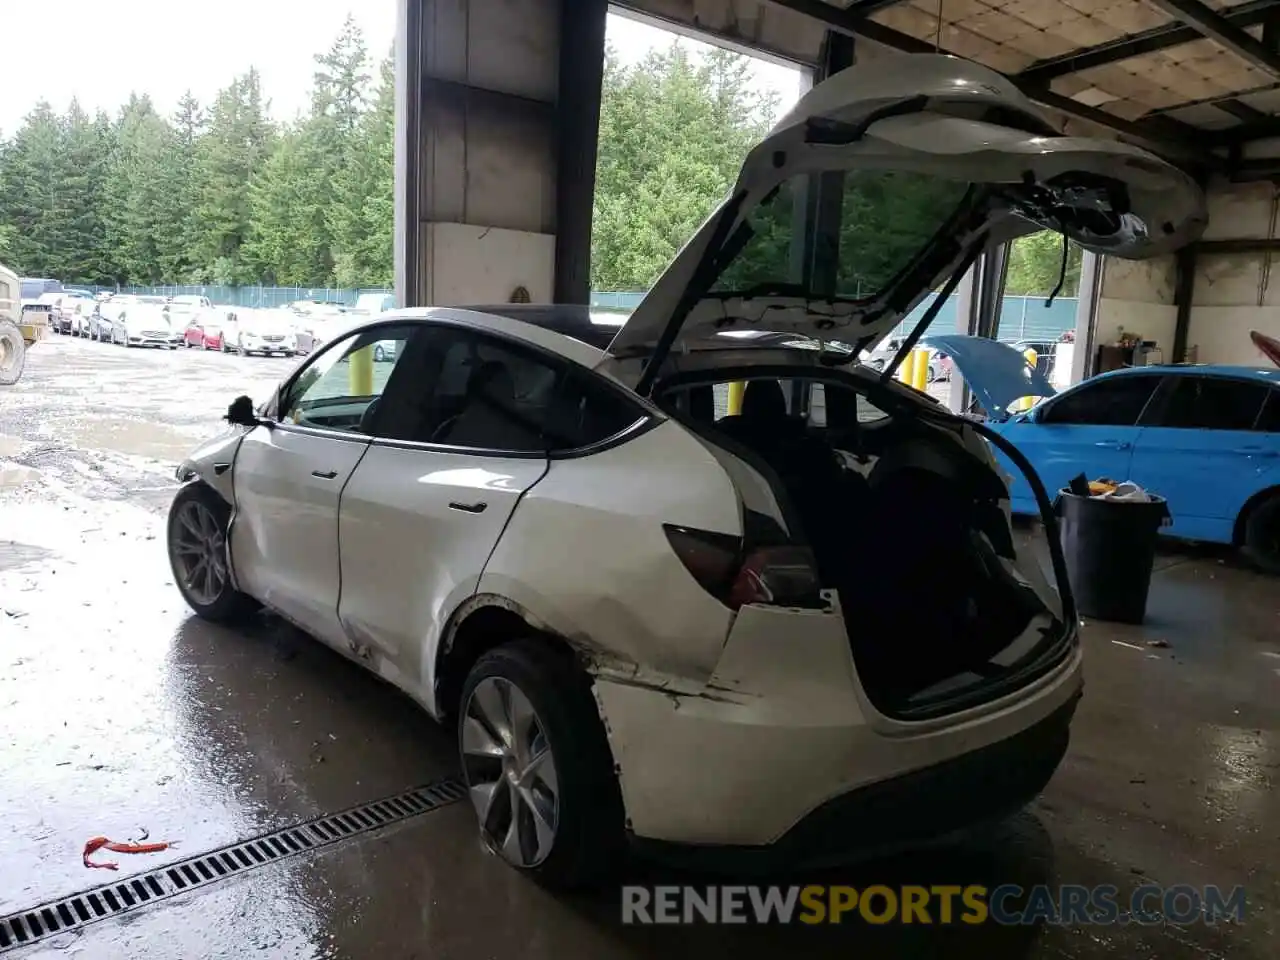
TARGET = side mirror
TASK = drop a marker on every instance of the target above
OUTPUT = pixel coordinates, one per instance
(242, 414)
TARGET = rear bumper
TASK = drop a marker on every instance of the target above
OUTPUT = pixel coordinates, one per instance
(907, 812)
(783, 731)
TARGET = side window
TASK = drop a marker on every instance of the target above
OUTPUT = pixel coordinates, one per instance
(1270, 419)
(489, 395)
(586, 411)
(1112, 402)
(1213, 403)
(341, 388)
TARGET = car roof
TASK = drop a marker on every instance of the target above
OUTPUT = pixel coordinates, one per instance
(573, 331)
(1239, 372)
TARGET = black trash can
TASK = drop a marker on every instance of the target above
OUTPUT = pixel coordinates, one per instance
(1110, 549)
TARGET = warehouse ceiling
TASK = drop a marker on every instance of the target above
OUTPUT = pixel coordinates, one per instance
(1197, 80)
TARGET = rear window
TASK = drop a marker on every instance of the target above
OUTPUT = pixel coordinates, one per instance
(886, 218)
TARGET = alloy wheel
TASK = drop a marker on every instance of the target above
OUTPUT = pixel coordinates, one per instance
(510, 772)
(199, 551)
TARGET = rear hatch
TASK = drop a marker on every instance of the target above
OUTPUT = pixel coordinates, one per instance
(931, 159)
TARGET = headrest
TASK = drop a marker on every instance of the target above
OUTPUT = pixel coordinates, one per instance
(492, 379)
(764, 400)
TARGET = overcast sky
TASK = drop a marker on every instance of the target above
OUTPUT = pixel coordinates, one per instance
(101, 50)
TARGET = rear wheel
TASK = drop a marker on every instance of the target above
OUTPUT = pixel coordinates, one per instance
(197, 536)
(1262, 535)
(13, 353)
(538, 765)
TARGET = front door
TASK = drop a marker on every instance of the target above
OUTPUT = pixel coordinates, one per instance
(429, 501)
(288, 481)
(1201, 451)
(1091, 430)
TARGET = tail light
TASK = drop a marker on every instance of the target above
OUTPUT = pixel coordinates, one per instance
(736, 572)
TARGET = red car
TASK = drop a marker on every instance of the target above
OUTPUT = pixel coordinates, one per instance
(204, 334)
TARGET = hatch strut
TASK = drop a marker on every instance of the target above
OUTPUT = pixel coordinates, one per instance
(942, 296)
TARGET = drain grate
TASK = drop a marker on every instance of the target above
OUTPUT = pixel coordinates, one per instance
(112, 899)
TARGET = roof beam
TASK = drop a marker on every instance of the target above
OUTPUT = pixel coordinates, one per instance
(867, 8)
(1209, 23)
(1162, 135)
(1148, 41)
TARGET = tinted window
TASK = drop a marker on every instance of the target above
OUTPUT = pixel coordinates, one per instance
(1270, 419)
(1114, 401)
(341, 387)
(887, 217)
(585, 412)
(1213, 403)
(488, 395)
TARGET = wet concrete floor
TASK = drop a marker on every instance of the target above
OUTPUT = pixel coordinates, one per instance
(120, 713)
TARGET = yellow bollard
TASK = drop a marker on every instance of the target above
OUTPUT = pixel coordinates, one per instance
(360, 372)
(736, 391)
(922, 370)
(1024, 403)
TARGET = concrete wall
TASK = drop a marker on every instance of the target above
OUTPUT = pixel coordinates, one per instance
(1234, 293)
(479, 84)
(1239, 292)
(1137, 295)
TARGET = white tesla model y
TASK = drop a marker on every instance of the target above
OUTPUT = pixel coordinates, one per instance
(800, 630)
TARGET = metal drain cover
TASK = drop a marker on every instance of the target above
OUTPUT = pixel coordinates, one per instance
(112, 899)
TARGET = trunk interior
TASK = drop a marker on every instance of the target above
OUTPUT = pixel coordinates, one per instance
(906, 525)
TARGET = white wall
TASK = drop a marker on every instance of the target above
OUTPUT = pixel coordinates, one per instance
(470, 265)
(1234, 293)
(1239, 292)
(1137, 295)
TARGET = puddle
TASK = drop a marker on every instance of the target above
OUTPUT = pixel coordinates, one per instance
(133, 437)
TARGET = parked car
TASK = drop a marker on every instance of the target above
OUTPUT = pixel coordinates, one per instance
(636, 614)
(206, 330)
(265, 332)
(374, 304)
(1206, 438)
(882, 356)
(145, 325)
(316, 328)
(189, 303)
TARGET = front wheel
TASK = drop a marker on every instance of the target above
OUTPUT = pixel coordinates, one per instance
(13, 353)
(538, 765)
(197, 536)
(1262, 535)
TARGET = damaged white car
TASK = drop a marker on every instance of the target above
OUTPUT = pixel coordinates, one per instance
(799, 632)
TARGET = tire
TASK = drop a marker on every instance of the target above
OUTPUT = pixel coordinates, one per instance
(587, 839)
(13, 353)
(219, 602)
(1262, 535)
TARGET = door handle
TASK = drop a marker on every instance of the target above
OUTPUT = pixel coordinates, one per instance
(1256, 452)
(324, 474)
(1113, 444)
(468, 507)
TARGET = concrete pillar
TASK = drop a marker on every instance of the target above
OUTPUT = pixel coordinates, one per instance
(497, 107)
(966, 297)
(1092, 267)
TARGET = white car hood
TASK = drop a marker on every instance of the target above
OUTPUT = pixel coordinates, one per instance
(928, 114)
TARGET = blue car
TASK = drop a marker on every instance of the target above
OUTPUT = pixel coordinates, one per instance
(1206, 438)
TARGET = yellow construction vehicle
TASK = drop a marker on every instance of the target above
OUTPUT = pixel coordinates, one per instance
(19, 328)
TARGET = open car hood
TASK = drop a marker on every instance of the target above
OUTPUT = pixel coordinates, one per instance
(997, 373)
(986, 167)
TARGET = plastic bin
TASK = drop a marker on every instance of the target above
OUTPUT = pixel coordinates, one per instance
(1110, 549)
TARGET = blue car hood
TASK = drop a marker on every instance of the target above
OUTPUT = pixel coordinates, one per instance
(996, 372)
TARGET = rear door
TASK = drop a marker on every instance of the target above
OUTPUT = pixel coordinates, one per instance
(1200, 449)
(1091, 430)
(458, 444)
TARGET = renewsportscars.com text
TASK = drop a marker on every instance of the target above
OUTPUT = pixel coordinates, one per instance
(1009, 904)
